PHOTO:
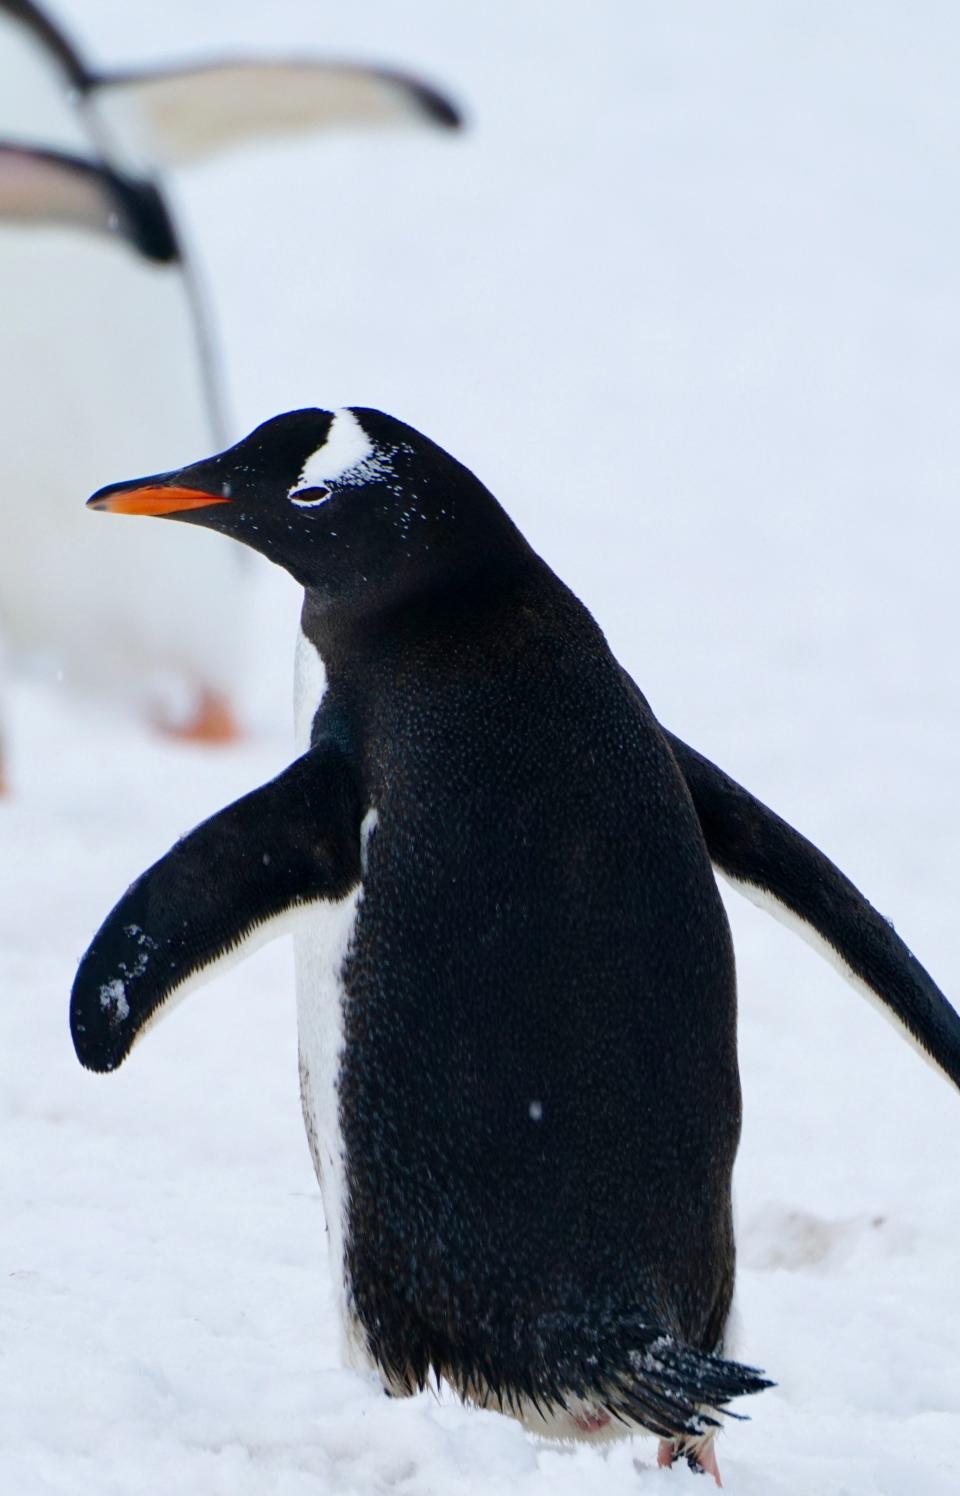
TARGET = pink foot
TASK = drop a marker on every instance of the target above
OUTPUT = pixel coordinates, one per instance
(212, 721)
(593, 1421)
(706, 1459)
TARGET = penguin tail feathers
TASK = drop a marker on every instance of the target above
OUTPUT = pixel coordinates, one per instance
(677, 1391)
(638, 1373)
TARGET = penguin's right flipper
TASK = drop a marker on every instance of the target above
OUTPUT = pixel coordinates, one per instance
(179, 115)
(236, 880)
(39, 186)
(777, 868)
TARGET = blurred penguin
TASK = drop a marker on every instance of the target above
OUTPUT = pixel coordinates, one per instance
(105, 358)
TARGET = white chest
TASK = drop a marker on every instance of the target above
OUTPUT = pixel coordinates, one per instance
(320, 952)
(108, 385)
(309, 684)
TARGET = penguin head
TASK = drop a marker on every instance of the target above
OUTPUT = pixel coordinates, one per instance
(353, 503)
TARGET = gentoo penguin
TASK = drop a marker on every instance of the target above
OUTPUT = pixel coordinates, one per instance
(516, 990)
(105, 328)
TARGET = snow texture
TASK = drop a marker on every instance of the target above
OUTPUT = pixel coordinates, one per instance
(113, 995)
(688, 300)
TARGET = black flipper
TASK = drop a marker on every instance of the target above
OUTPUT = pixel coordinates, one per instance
(290, 843)
(773, 864)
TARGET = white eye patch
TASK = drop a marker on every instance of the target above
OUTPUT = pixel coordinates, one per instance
(348, 456)
(320, 495)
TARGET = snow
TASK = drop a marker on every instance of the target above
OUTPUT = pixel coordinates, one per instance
(114, 995)
(686, 298)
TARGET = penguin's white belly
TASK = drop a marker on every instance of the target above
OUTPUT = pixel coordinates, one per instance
(320, 953)
(103, 382)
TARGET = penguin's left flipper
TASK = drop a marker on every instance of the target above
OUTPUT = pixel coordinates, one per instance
(777, 868)
(238, 879)
(176, 116)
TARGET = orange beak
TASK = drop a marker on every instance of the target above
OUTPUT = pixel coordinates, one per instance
(149, 500)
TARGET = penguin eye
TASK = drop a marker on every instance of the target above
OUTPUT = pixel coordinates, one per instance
(308, 498)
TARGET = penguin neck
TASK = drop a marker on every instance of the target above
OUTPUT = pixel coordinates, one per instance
(456, 606)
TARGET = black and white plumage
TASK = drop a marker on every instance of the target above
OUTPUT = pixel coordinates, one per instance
(516, 990)
(106, 343)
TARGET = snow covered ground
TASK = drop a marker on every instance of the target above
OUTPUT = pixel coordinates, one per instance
(688, 299)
